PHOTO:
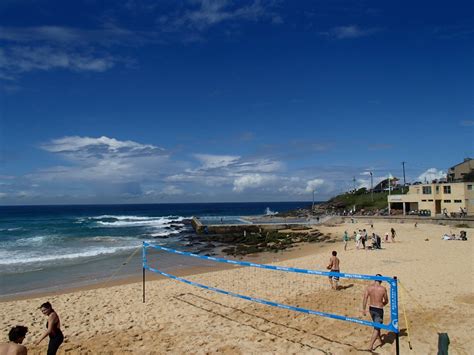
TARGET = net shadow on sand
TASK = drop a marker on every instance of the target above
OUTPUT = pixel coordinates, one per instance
(260, 323)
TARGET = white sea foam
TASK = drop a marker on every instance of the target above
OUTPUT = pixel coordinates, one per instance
(34, 240)
(10, 229)
(164, 234)
(136, 221)
(138, 218)
(12, 259)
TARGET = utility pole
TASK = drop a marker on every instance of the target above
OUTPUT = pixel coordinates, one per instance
(371, 186)
(354, 181)
(404, 180)
(312, 207)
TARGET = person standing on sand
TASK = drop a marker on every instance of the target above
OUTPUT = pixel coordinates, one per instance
(377, 296)
(16, 335)
(393, 235)
(357, 239)
(364, 238)
(345, 238)
(53, 327)
(334, 267)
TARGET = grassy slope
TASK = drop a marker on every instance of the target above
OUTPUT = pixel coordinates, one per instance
(361, 199)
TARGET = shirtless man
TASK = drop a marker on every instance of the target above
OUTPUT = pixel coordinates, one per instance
(378, 299)
(334, 267)
(16, 336)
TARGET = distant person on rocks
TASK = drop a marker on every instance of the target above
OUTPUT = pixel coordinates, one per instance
(53, 329)
(377, 296)
(333, 266)
(345, 238)
(16, 335)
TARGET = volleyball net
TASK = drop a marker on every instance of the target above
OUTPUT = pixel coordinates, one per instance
(291, 288)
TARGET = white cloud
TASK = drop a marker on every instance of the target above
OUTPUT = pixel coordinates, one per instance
(172, 190)
(102, 159)
(346, 32)
(432, 174)
(210, 161)
(20, 59)
(467, 123)
(45, 48)
(204, 14)
(85, 147)
(212, 12)
(107, 35)
(314, 184)
(251, 181)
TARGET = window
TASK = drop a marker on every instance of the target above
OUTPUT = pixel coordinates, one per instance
(447, 201)
(469, 187)
(426, 190)
(437, 189)
(423, 200)
(457, 201)
(430, 200)
(447, 189)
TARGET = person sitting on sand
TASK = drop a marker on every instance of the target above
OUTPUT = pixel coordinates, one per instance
(374, 241)
(16, 335)
(53, 327)
(334, 267)
(377, 294)
(392, 231)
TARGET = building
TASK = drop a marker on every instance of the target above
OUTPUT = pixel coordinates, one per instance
(435, 197)
(384, 184)
(462, 172)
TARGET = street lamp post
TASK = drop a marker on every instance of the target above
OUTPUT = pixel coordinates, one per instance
(312, 207)
(404, 179)
(371, 186)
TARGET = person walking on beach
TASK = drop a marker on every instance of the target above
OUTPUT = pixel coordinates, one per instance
(334, 267)
(377, 296)
(393, 235)
(345, 238)
(53, 329)
(16, 335)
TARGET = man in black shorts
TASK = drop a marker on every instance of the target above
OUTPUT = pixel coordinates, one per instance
(378, 299)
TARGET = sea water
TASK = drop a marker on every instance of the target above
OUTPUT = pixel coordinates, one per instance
(49, 248)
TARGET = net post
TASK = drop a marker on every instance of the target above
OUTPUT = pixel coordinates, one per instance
(394, 311)
(143, 269)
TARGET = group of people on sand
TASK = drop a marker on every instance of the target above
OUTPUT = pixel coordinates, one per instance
(375, 294)
(361, 239)
(453, 236)
(17, 334)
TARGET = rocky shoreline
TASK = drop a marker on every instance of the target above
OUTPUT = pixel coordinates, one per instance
(243, 243)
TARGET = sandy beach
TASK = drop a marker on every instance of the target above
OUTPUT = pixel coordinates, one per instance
(179, 318)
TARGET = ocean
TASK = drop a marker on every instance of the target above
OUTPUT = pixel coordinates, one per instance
(49, 248)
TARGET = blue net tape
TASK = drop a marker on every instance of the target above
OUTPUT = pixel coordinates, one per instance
(392, 326)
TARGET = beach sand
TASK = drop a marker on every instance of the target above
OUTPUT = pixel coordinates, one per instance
(179, 318)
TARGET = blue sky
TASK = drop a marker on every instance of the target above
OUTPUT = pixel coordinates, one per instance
(203, 101)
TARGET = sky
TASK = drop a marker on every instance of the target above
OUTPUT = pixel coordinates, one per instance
(144, 101)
